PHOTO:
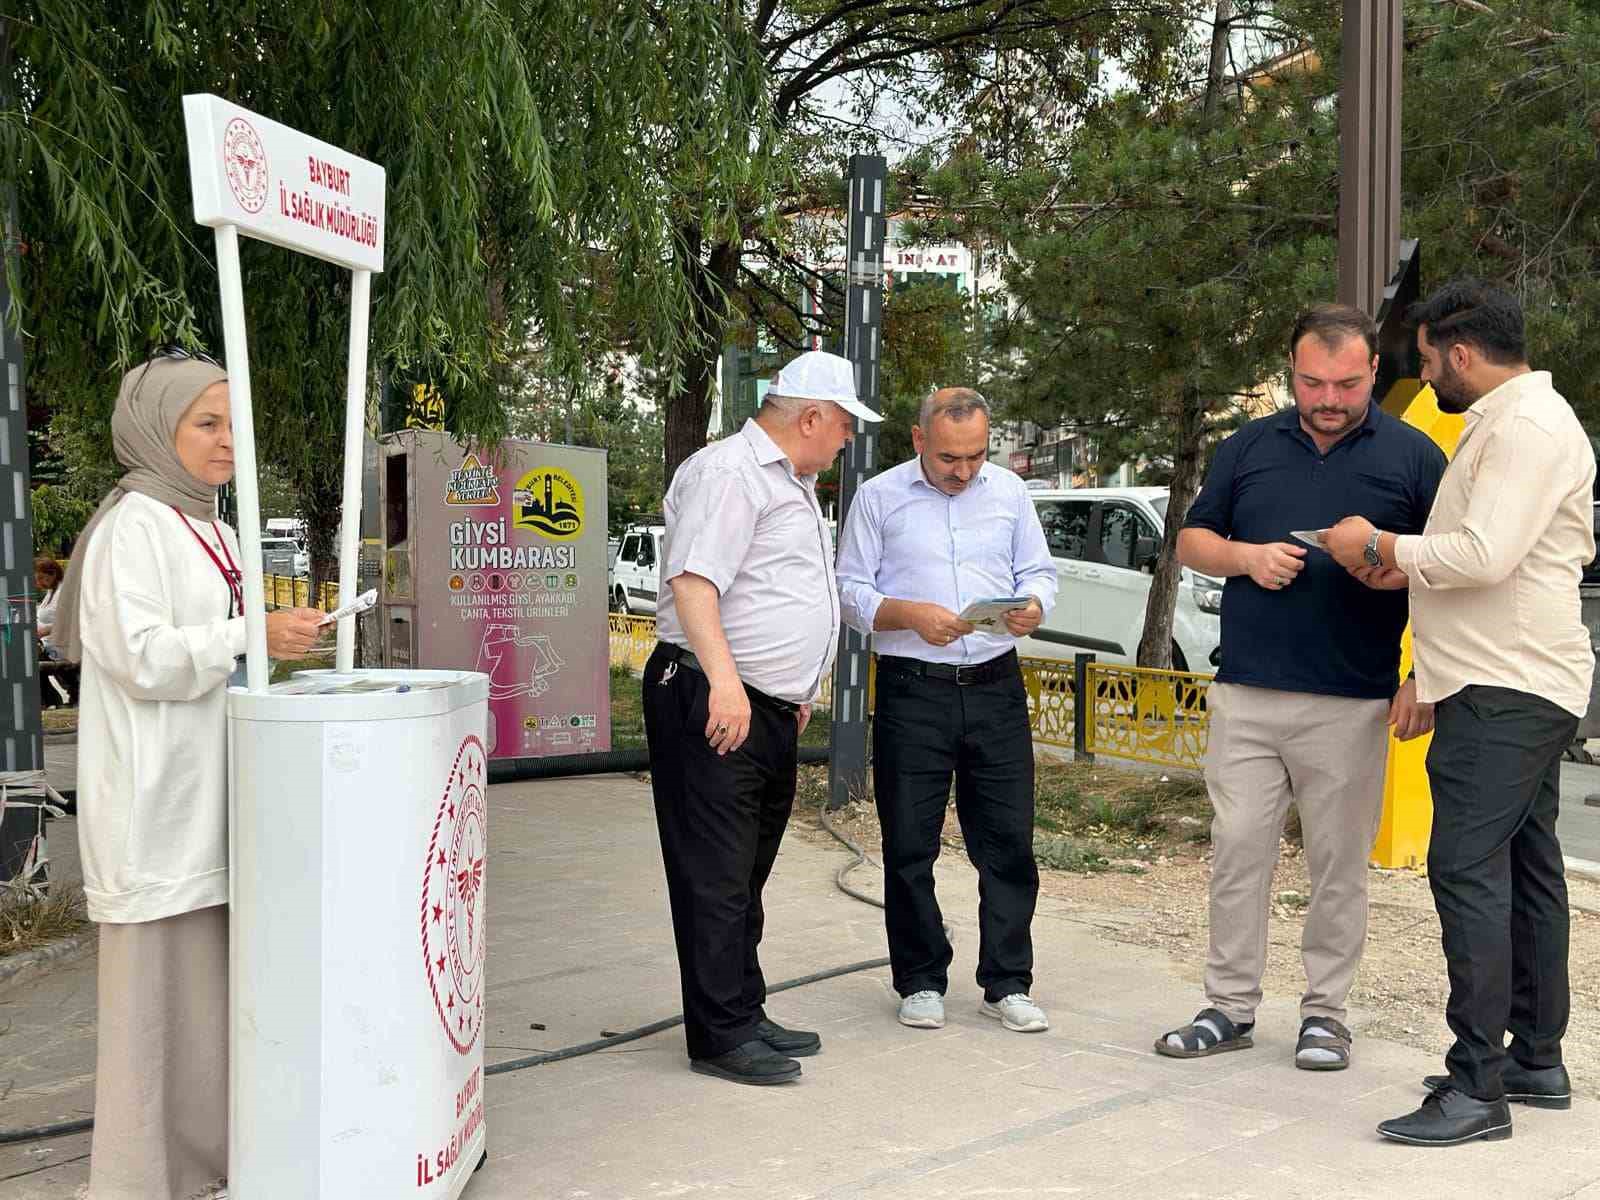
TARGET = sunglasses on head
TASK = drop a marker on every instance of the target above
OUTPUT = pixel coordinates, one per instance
(173, 352)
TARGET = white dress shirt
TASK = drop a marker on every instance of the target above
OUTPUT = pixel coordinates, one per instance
(904, 539)
(738, 515)
(1494, 576)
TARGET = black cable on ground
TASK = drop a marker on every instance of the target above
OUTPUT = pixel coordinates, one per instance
(8, 1136)
(63, 1128)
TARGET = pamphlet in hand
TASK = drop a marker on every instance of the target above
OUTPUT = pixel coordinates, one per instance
(1311, 537)
(359, 605)
(986, 614)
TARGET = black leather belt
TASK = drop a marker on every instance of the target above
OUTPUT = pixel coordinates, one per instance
(960, 674)
(686, 658)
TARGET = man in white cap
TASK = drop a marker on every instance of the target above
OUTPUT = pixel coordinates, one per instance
(923, 541)
(747, 626)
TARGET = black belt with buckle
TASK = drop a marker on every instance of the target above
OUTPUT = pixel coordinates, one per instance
(960, 674)
(686, 658)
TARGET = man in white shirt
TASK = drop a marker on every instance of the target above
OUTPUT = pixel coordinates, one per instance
(1502, 651)
(921, 542)
(747, 627)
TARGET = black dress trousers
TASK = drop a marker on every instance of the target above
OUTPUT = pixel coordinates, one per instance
(925, 733)
(1495, 867)
(720, 819)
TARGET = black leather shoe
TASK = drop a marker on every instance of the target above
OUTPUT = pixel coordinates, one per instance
(754, 1062)
(1544, 1087)
(796, 1043)
(1448, 1118)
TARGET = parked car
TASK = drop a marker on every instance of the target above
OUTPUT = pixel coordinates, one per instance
(1105, 542)
(283, 556)
(636, 574)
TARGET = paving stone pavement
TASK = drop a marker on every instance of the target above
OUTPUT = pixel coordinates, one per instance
(580, 943)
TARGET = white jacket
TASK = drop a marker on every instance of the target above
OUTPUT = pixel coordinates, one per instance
(158, 647)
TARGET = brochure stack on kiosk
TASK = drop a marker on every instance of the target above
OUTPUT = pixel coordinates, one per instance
(357, 826)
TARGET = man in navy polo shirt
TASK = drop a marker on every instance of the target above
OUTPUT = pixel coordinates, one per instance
(1306, 689)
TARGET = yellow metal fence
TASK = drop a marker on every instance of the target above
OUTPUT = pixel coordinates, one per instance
(1138, 713)
(294, 591)
(633, 638)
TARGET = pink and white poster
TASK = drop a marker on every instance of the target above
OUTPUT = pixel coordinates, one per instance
(507, 562)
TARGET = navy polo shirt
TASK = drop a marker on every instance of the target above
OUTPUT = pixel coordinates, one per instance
(1326, 633)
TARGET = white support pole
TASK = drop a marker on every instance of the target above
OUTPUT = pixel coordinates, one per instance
(244, 455)
(355, 415)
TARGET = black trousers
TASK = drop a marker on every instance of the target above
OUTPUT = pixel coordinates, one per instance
(1496, 871)
(925, 732)
(720, 818)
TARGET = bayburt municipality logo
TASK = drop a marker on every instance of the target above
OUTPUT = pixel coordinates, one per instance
(244, 159)
(473, 483)
(454, 936)
(549, 502)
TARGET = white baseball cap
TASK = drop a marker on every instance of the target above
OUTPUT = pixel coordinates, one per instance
(818, 375)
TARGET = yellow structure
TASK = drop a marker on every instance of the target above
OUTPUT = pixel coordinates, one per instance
(1407, 802)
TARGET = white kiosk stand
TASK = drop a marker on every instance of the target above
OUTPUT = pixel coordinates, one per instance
(357, 832)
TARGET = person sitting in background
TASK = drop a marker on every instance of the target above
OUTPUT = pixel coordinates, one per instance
(58, 686)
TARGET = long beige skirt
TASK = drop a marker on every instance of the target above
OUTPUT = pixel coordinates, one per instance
(161, 1075)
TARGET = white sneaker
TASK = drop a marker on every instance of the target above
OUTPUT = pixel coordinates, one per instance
(1017, 1012)
(923, 1010)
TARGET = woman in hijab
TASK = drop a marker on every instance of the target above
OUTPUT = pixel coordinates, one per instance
(153, 608)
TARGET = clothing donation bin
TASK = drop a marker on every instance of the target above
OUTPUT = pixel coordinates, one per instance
(357, 810)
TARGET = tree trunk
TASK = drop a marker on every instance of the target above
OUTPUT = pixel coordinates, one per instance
(322, 502)
(1219, 55)
(1155, 644)
(711, 282)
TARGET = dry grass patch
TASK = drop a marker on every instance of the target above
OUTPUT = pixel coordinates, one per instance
(29, 919)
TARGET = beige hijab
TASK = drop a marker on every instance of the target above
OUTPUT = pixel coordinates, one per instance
(144, 431)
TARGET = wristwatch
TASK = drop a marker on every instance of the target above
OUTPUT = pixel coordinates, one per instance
(1370, 553)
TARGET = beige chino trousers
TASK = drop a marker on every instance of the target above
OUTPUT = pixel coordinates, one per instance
(1326, 754)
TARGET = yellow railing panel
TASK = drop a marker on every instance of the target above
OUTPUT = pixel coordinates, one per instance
(1149, 715)
(633, 639)
(1050, 700)
(283, 591)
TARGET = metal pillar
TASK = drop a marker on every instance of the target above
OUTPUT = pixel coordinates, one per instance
(1369, 151)
(863, 325)
(21, 738)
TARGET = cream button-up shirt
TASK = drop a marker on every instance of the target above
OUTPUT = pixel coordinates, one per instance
(1494, 576)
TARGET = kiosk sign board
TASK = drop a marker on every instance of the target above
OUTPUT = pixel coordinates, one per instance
(504, 569)
(357, 800)
(282, 186)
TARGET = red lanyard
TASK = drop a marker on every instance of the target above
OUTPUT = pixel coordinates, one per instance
(231, 574)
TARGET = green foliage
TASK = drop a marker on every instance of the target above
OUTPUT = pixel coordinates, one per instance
(536, 139)
(601, 414)
(1069, 854)
(1502, 121)
(58, 518)
(929, 341)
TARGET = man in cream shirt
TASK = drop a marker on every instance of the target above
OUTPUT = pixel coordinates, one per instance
(1502, 650)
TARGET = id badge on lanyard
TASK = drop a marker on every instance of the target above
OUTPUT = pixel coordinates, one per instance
(232, 576)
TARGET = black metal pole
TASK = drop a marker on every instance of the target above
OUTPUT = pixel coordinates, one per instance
(21, 737)
(863, 326)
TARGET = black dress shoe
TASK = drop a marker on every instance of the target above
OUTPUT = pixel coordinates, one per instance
(796, 1043)
(1541, 1087)
(1448, 1118)
(754, 1062)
